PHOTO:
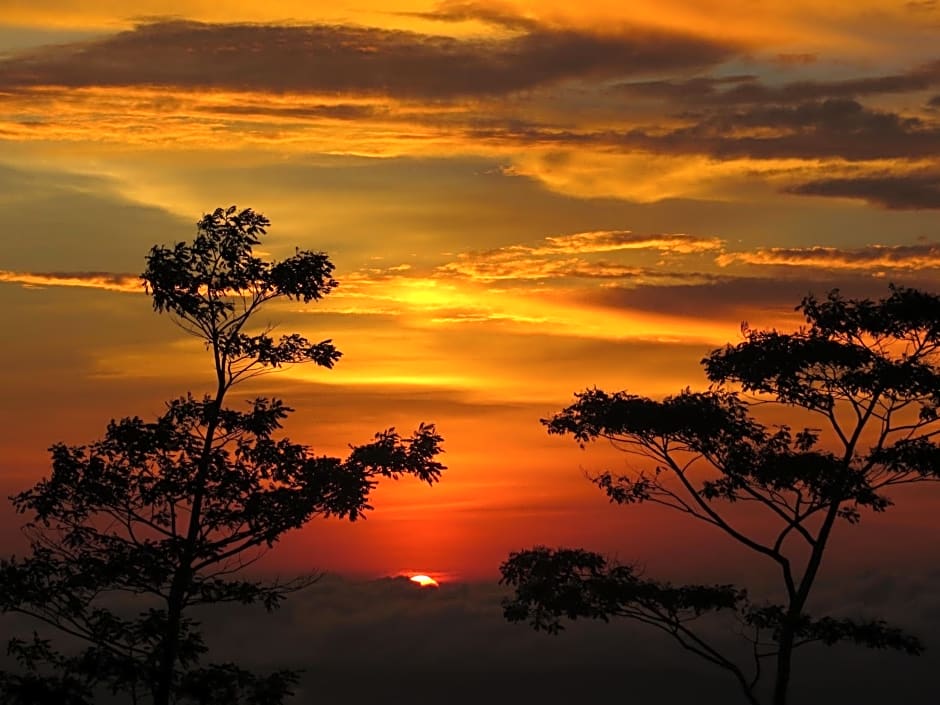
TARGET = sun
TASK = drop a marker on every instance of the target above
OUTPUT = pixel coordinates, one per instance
(424, 581)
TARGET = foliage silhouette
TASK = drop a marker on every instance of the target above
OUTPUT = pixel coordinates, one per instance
(165, 513)
(868, 370)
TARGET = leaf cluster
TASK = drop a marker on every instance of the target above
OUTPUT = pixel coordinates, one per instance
(852, 351)
(573, 583)
(215, 284)
(552, 585)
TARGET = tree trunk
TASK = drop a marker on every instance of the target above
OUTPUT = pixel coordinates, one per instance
(183, 576)
(170, 642)
(784, 659)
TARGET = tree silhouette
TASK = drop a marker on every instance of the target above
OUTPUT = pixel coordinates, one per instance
(131, 532)
(868, 372)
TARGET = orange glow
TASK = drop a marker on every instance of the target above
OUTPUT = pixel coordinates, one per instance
(424, 581)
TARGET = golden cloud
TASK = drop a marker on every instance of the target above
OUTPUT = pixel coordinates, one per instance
(871, 257)
(504, 266)
(613, 240)
(553, 260)
(108, 281)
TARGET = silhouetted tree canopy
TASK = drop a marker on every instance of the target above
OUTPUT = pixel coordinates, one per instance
(867, 376)
(131, 532)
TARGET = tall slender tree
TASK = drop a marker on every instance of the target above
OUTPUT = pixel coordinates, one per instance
(167, 513)
(866, 372)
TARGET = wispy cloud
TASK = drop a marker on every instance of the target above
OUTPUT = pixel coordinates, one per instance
(613, 240)
(109, 281)
(501, 15)
(871, 257)
(490, 267)
(556, 257)
(750, 89)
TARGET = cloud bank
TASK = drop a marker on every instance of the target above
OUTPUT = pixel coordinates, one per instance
(386, 640)
(338, 59)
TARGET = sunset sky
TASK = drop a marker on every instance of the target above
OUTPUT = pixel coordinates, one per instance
(522, 199)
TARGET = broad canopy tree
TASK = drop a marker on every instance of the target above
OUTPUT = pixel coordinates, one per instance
(866, 376)
(132, 532)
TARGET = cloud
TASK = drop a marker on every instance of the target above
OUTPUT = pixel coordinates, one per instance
(831, 113)
(831, 128)
(334, 59)
(613, 240)
(766, 301)
(917, 191)
(920, 6)
(339, 111)
(870, 257)
(723, 298)
(453, 645)
(553, 258)
(489, 13)
(109, 281)
(796, 59)
(366, 90)
(490, 268)
(749, 89)
(817, 129)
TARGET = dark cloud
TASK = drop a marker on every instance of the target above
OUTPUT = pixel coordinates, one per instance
(832, 114)
(835, 127)
(346, 59)
(721, 298)
(341, 111)
(831, 128)
(919, 191)
(747, 88)
(740, 298)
